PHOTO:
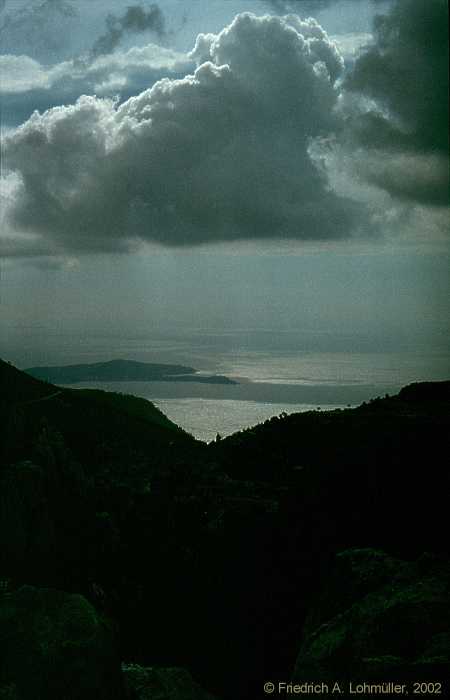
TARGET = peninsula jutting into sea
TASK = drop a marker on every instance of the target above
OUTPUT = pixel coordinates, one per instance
(123, 371)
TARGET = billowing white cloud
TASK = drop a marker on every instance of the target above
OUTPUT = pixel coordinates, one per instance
(21, 74)
(248, 39)
(219, 155)
(27, 85)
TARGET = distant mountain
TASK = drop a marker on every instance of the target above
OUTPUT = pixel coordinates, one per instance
(123, 371)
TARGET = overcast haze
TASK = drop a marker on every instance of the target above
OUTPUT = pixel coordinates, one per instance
(256, 167)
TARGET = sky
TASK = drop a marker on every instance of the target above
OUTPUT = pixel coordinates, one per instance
(256, 166)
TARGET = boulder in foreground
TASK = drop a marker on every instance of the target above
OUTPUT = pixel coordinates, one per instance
(379, 619)
(54, 646)
(144, 683)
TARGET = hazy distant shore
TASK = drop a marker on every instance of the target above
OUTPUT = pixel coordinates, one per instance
(123, 371)
(260, 392)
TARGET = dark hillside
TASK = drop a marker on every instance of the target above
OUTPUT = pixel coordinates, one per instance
(437, 393)
(16, 386)
(293, 548)
(372, 476)
(283, 446)
(376, 477)
(97, 427)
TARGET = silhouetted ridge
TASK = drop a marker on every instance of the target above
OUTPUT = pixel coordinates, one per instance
(426, 391)
(16, 386)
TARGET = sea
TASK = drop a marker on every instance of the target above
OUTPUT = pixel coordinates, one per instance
(267, 382)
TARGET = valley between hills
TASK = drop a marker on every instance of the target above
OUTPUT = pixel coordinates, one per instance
(137, 562)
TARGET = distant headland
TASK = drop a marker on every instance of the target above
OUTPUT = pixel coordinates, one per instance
(123, 371)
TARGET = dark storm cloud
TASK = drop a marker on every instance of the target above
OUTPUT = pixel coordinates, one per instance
(405, 74)
(419, 177)
(303, 6)
(219, 155)
(136, 19)
(282, 7)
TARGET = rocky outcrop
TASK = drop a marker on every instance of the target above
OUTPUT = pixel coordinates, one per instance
(54, 646)
(144, 683)
(365, 623)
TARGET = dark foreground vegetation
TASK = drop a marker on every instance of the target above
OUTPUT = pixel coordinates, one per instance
(137, 563)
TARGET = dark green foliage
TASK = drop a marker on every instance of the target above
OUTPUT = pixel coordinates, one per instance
(131, 406)
(17, 387)
(49, 531)
(101, 430)
(55, 646)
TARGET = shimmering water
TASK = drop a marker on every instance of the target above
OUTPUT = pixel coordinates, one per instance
(271, 383)
(204, 418)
